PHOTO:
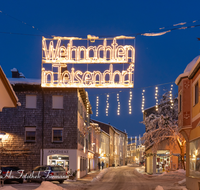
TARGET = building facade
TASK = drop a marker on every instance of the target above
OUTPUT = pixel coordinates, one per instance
(104, 148)
(115, 148)
(93, 146)
(131, 153)
(50, 127)
(189, 119)
(122, 147)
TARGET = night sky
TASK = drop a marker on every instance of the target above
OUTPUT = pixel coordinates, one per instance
(159, 59)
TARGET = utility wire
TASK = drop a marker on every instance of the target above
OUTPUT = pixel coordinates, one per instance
(132, 89)
(163, 29)
(23, 22)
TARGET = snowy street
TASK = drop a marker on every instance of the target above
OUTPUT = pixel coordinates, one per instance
(125, 177)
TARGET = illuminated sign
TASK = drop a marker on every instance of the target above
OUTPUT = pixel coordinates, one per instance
(58, 57)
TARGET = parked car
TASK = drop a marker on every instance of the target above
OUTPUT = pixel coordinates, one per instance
(11, 173)
(141, 163)
(47, 173)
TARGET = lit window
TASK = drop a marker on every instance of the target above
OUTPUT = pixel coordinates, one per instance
(57, 102)
(30, 134)
(196, 99)
(31, 101)
(57, 135)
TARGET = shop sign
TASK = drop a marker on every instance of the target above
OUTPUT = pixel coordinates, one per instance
(56, 58)
(58, 151)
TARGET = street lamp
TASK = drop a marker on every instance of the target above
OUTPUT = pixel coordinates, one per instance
(1, 135)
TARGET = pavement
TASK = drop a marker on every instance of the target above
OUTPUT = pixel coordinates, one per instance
(90, 176)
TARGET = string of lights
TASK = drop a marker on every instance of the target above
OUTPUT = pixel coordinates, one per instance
(97, 106)
(156, 97)
(143, 101)
(118, 107)
(171, 99)
(107, 104)
(129, 102)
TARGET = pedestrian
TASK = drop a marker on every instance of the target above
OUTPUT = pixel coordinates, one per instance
(102, 164)
(99, 164)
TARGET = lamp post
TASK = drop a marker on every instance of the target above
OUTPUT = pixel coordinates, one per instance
(1, 136)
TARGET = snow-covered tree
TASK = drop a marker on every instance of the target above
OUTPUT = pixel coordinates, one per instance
(163, 125)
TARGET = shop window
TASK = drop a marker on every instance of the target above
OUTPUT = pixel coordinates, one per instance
(57, 102)
(30, 133)
(57, 134)
(196, 93)
(195, 158)
(31, 101)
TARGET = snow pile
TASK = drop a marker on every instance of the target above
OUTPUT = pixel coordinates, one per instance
(174, 174)
(7, 188)
(159, 188)
(100, 175)
(46, 185)
(182, 182)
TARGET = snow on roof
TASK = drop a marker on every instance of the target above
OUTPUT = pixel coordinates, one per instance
(189, 70)
(14, 81)
(21, 74)
(191, 64)
(14, 70)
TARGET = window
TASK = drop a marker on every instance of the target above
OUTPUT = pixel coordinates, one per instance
(180, 100)
(194, 158)
(57, 135)
(196, 93)
(30, 134)
(57, 102)
(31, 101)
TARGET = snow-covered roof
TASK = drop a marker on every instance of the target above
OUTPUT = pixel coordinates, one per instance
(14, 81)
(189, 70)
(191, 64)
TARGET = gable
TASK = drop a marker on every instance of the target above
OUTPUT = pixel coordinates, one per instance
(7, 95)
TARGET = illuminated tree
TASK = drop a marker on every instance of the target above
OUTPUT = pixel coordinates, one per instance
(163, 125)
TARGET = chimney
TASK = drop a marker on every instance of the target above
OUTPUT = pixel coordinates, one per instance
(15, 73)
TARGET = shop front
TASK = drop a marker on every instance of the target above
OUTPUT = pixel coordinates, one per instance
(194, 154)
(59, 160)
(105, 159)
(62, 157)
(162, 161)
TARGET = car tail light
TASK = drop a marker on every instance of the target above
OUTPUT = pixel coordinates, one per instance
(51, 173)
(4, 172)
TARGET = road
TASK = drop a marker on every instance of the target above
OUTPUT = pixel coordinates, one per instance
(125, 178)
(119, 178)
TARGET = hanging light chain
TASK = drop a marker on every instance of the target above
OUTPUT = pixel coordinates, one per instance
(156, 97)
(107, 104)
(118, 106)
(97, 106)
(143, 101)
(129, 102)
(170, 96)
